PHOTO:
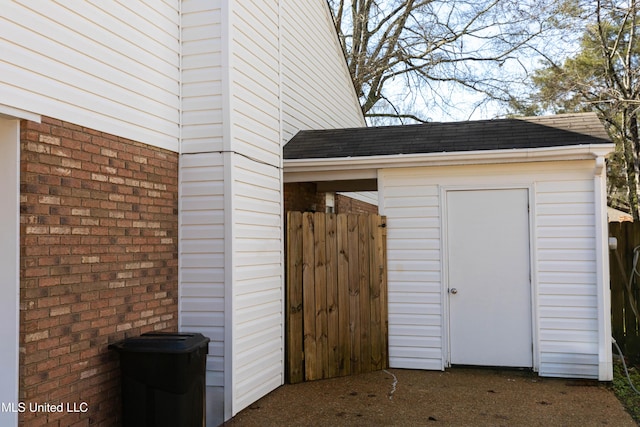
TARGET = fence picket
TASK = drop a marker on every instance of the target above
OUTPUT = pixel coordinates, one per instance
(293, 318)
(375, 288)
(320, 280)
(309, 297)
(365, 292)
(333, 325)
(354, 292)
(344, 316)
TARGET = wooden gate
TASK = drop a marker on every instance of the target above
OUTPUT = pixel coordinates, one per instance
(336, 298)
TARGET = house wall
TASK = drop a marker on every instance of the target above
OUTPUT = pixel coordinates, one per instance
(205, 128)
(202, 76)
(248, 75)
(258, 341)
(570, 309)
(253, 237)
(123, 59)
(98, 262)
(202, 258)
(317, 92)
(218, 81)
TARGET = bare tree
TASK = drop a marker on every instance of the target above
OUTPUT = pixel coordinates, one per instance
(404, 53)
(603, 76)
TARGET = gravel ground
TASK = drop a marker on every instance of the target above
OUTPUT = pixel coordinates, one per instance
(457, 397)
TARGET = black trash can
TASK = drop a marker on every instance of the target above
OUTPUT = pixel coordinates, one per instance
(163, 379)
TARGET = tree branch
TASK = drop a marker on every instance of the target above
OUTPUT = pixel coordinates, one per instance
(397, 116)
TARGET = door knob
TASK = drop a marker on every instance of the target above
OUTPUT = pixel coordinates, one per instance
(453, 291)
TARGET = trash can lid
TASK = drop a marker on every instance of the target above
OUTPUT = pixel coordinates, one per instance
(162, 342)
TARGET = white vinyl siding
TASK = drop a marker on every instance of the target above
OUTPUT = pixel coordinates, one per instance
(258, 282)
(203, 197)
(567, 284)
(255, 81)
(109, 66)
(202, 113)
(202, 257)
(232, 281)
(563, 270)
(258, 342)
(276, 81)
(317, 92)
(414, 272)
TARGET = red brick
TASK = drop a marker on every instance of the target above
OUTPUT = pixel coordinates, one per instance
(90, 196)
(59, 351)
(305, 197)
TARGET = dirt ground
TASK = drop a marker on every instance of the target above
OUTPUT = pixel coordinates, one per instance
(457, 397)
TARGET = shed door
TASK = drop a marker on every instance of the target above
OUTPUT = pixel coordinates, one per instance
(489, 280)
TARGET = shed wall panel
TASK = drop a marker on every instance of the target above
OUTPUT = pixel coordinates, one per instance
(414, 284)
(567, 272)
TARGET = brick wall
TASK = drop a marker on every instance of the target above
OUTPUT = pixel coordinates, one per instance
(344, 204)
(304, 197)
(98, 248)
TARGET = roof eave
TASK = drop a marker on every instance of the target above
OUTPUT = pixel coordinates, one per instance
(367, 165)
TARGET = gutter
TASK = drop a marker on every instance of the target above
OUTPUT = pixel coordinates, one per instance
(514, 155)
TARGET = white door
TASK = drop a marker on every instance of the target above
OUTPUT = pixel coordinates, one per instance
(489, 279)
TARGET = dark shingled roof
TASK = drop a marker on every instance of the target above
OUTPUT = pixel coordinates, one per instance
(519, 133)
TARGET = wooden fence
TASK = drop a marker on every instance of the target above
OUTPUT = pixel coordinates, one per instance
(336, 307)
(624, 324)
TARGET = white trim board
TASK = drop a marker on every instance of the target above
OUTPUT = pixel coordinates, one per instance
(9, 265)
(444, 248)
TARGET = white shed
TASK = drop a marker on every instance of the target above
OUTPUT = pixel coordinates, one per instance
(497, 237)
